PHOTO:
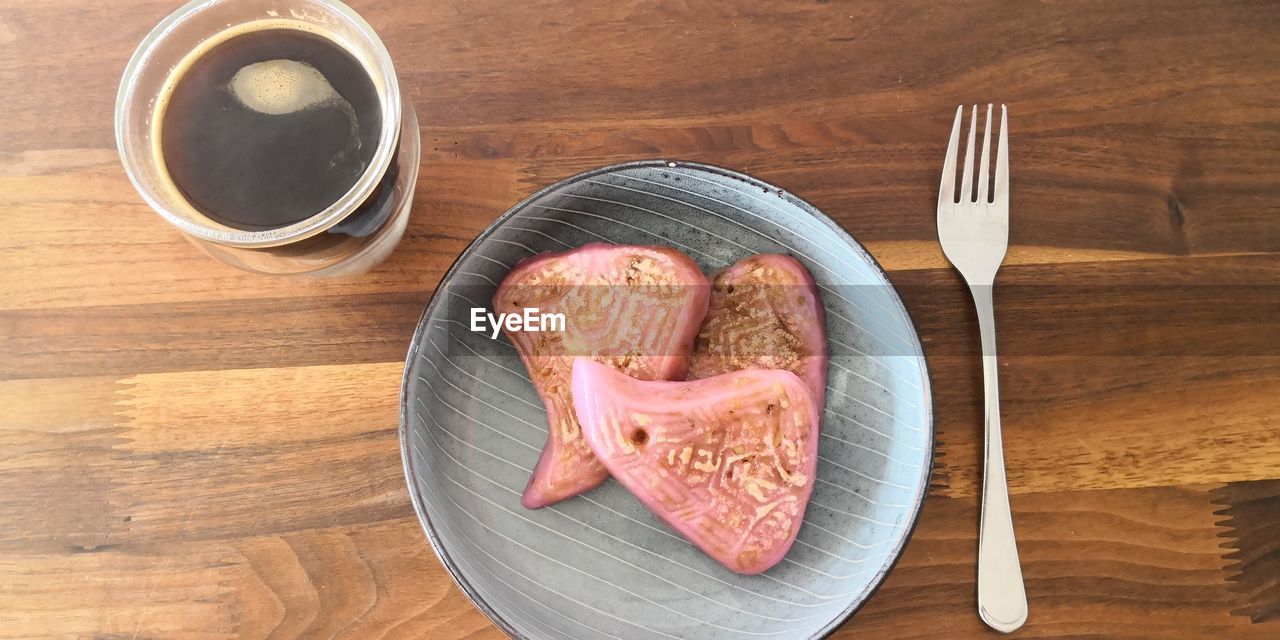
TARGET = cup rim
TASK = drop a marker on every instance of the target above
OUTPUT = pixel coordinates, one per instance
(212, 231)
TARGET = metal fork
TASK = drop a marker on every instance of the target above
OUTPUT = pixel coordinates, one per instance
(974, 232)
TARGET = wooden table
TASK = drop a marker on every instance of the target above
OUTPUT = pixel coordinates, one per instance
(187, 451)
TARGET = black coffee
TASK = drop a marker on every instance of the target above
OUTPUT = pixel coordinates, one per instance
(269, 128)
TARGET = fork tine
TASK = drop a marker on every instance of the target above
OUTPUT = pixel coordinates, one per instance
(947, 192)
(986, 160)
(1002, 164)
(966, 181)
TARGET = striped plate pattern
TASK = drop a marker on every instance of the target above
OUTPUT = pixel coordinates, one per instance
(599, 565)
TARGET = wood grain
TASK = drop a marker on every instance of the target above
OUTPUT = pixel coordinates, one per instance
(187, 451)
(1109, 563)
(365, 580)
(1252, 516)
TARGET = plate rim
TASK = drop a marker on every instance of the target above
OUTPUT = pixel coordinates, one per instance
(926, 385)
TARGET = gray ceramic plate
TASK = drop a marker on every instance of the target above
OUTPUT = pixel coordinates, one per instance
(599, 565)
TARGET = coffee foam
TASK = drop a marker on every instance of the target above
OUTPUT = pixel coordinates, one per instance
(277, 87)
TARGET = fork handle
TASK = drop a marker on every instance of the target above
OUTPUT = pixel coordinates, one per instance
(1002, 600)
